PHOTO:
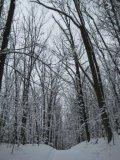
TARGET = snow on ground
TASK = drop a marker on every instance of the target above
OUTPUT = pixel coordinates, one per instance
(26, 152)
(82, 151)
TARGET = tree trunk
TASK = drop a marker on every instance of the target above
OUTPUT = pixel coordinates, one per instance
(15, 133)
(1, 6)
(25, 109)
(81, 103)
(5, 38)
(97, 81)
(98, 88)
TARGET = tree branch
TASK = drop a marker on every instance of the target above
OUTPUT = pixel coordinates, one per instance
(56, 10)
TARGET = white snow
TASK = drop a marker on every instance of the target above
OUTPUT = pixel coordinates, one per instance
(82, 151)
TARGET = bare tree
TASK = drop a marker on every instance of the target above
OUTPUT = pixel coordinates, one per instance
(98, 88)
(77, 83)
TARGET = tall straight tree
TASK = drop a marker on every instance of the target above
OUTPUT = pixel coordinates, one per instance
(5, 39)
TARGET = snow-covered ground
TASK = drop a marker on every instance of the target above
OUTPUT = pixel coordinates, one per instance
(82, 151)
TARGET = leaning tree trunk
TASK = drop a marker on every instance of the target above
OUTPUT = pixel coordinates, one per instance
(78, 87)
(97, 82)
(98, 88)
(5, 38)
(80, 100)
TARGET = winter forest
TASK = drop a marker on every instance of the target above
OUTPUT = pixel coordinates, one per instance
(59, 72)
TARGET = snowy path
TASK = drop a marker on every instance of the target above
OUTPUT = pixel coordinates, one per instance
(82, 151)
(51, 157)
(66, 155)
(27, 152)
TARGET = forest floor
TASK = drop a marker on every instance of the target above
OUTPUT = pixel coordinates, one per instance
(94, 150)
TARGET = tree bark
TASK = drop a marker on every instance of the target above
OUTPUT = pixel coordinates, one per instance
(97, 82)
(5, 38)
(1, 6)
